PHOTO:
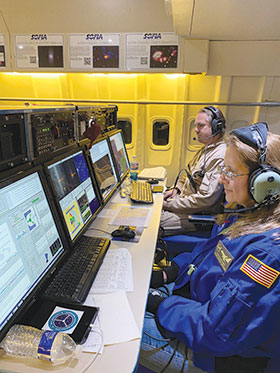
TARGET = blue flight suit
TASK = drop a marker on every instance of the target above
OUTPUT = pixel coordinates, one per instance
(227, 311)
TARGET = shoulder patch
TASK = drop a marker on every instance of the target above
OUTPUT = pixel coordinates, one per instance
(259, 271)
(223, 256)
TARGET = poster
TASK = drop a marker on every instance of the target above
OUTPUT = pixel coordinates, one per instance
(39, 51)
(152, 50)
(93, 51)
(2, 51)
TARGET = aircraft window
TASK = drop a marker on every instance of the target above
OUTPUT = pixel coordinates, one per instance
(126, 127)
(160, 132)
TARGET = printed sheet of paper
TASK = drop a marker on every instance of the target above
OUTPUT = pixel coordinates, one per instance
(115, 273)
(130, 215)
(116, 318)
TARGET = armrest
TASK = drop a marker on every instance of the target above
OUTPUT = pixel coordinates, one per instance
(202, 219)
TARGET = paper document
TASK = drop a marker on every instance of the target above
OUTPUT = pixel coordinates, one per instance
(115, 273)
(116, 318)
(130, 215)
(158, 173)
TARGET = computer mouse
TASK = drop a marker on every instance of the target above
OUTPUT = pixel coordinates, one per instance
(126, 233)
(152, 181)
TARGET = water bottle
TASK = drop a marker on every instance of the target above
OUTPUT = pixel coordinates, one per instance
(134, 166)
(29, 342)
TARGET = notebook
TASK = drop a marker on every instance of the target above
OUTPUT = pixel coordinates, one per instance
(158, 173)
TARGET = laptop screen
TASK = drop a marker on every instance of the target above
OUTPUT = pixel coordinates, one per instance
(74, 191)
(119, 150)
(29, 241)
(104, 169)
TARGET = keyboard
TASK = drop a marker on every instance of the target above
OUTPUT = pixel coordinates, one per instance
(74, 279)
(141, 192)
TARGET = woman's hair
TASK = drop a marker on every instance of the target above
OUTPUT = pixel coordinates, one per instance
(266, 217)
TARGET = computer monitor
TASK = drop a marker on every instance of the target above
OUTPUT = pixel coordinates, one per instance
(75, 192)
(120, 154)
(104, 168)
(30, 243)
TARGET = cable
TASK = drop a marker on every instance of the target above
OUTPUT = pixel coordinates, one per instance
(99, 350)
(159, 339)
(101, 230)
(171, 358)
(184, 361)
(166, 292)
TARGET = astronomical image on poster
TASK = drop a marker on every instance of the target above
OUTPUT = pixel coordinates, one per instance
(163, 56)
(50, 56)
(2, 56)
(105, 56)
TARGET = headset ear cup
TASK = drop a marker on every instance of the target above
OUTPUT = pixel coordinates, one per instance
(264, 182)
(217, 122)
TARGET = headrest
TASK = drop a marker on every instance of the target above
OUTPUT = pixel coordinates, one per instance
(254, 136)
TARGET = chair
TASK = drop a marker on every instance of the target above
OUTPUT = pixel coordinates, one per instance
(180, 243)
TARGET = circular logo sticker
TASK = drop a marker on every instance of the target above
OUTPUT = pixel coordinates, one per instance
(63, 320)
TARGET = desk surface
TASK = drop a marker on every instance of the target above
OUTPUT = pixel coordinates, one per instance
(122, 357)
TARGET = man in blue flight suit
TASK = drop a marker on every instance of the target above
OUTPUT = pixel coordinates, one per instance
(223, 313)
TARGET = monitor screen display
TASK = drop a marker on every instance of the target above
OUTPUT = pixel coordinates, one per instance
(120, 153)
(74, 190)
(29, 241)
(104, 169)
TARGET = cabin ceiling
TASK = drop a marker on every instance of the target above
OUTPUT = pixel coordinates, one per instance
(201, 19)
(226, 19)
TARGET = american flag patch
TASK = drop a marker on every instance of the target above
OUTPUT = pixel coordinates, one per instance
(259, 271)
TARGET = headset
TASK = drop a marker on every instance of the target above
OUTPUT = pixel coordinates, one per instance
(218, 122)
(264, 182)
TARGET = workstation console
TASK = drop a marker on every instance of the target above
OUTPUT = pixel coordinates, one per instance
(70, 188)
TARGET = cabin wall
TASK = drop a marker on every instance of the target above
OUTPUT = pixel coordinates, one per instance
(160, 88)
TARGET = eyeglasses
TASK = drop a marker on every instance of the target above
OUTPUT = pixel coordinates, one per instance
(229, 175)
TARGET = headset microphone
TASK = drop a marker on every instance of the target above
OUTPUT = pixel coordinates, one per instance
(205, 138)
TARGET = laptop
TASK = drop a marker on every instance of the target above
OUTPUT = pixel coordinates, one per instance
(32, 246)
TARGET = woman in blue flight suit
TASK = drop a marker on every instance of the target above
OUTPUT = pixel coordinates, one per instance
(223, 314)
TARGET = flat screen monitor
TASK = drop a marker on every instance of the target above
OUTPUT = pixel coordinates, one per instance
(30, 243)
(104, 168)
(75, 192)
(120, 153)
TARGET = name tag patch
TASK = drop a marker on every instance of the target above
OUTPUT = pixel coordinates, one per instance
(259, 271)
(223, 256)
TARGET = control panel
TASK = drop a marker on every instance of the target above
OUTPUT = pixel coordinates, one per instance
(50, 131)
(105, 117)
(13, 141)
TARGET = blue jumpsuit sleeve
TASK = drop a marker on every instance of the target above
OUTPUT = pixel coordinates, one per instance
(239, 315)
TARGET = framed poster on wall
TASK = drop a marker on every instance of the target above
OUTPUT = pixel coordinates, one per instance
(94, 51)
(152, 50)
(39, 51)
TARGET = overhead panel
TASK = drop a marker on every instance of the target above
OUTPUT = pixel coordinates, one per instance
(244, 58)
(98, 16)
(236, 19)
(195, 55)
(182, 16)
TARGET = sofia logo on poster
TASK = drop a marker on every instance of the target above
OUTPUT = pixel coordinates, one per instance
(39, 37)
(94, 37)
(152, 35)
(63, 320)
